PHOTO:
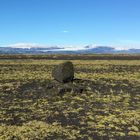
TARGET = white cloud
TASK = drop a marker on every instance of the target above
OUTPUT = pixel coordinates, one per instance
(65, 31)
(77, 47)
(23, 45)
(28, 45)
(120, 46)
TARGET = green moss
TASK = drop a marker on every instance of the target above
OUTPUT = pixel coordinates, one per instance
(109, 108)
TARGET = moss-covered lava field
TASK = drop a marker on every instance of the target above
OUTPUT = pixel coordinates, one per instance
(102, 103)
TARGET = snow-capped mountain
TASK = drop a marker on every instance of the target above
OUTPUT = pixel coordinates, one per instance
(36, 49)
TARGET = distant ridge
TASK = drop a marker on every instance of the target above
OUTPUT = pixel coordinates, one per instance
(61, 50)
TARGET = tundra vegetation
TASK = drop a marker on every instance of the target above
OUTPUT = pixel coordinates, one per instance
(35, 107)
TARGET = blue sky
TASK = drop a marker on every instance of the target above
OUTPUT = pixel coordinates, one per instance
(70, 22)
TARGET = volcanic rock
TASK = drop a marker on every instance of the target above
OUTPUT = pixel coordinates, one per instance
(64, 72)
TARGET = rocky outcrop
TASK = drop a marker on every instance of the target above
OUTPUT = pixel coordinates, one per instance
(64, 72)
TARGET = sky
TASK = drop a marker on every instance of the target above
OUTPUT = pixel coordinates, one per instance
(70, 22)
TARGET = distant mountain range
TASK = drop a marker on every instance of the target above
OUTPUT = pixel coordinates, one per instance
(61, 50)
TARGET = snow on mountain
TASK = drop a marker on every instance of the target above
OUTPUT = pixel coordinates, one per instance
(22, 48)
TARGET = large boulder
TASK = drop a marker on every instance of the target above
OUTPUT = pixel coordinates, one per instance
(64, 72)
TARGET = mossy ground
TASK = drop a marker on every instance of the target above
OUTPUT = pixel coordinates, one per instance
(108, 108)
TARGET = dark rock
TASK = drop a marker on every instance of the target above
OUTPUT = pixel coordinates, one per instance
(78, 89)
(63, 90)
(50, 86)
(70, 88)
(64, 72)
